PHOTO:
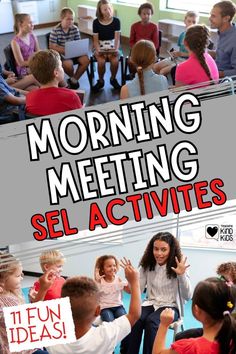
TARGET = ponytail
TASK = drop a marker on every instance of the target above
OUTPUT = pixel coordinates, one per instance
(197, 38)
(141, 80)
(226, 336)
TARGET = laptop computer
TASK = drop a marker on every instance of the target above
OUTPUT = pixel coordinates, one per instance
(75, 49)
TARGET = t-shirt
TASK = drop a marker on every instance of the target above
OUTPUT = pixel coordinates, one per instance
(51, 100)
(111, 293)
(59, 37)
(147, 31)
(180, 43)
(54, 292)
(152, 83)
(191, 72)
(106, 32)
(98, 340)
(5, 90)
(196, 346)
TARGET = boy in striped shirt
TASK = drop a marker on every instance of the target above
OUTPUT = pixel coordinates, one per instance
(64, 32)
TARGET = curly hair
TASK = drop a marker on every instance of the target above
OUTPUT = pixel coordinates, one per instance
(217, 299)
(197, 38)
(146, 5)
(148, 260)
(101, 261)
(228, 267)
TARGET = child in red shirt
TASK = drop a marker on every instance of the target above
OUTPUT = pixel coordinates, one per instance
(51, 262)
(143, 29)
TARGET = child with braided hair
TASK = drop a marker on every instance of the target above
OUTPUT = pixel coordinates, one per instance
(143, 56)
(213, 303)
(200, 67)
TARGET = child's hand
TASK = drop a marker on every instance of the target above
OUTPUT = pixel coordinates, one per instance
(167, 317)
(97, 276)
(47, 280)
(180, 266)
(131, 273)
(176, 53)
(11, 80)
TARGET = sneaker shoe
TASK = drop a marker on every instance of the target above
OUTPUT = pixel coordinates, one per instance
(99, 85)
(115, 84)
(74, 85)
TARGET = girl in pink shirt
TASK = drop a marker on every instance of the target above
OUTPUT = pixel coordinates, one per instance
(200, 67)
(111, 287)
(212, 304)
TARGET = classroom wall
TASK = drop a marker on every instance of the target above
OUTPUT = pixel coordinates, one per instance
(128, 13)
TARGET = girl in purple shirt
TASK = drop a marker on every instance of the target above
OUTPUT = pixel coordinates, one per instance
(24, 44)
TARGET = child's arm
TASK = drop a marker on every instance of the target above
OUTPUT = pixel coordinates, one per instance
(117, 40)
(45, 282)
(97, 276)
(16, 101)
(132, 276)
(96, 43)
(155, 37)
(177, 53)
(167, 317)
(132, 36)
(18, 55)
(57, 48)
(124, 93)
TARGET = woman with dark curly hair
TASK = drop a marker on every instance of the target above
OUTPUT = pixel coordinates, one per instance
(162, 272)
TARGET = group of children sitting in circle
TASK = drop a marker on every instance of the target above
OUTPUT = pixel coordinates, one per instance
(162, 272)
(45, 69)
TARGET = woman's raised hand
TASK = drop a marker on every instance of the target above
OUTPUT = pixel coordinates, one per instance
(181, 265)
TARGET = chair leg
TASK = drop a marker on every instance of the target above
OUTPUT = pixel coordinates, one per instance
(122, 70)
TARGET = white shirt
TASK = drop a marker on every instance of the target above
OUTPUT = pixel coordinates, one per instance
(111, 293)
(98, 340)
(161, 291)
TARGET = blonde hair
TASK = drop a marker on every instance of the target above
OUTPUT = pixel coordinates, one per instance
(143, 55)
(18, 20)
(99, 14)
(8, 265)
(51, 257)
(101, 261)
(65, 11)
(191, 14)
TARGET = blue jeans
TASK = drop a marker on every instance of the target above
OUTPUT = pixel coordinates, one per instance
(109, 315)
(40, 351)
(149, 322)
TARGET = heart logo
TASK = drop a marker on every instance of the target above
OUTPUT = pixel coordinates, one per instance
(212, 230)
